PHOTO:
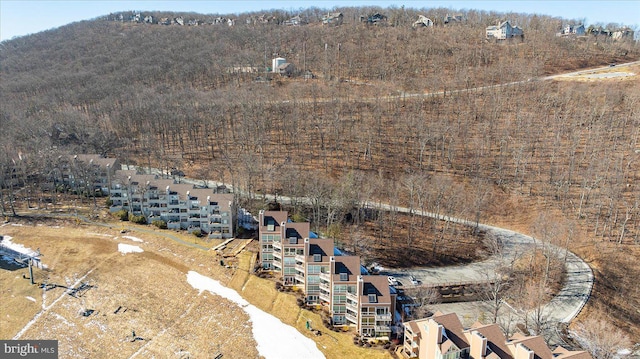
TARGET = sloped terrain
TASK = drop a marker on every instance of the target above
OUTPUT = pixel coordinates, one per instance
(162, 96)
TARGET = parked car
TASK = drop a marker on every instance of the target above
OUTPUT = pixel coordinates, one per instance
(392, 280)
(413, 280)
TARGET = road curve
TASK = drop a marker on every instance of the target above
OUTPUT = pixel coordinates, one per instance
(563, 307)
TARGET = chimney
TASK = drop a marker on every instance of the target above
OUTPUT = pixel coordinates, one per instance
(522, 352)
(478, 345)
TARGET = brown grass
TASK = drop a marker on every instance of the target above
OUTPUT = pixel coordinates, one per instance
(155, 300)
(150, 288)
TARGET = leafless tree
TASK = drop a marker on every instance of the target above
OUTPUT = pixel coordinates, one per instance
(424, 298)
(601, 339)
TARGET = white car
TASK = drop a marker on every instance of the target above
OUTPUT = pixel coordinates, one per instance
(413, 280)
(392, 280)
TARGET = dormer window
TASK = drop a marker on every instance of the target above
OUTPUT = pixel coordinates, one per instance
(271, 225)
(293, 240)
(317, 257)
(373, 298)
(344, 277)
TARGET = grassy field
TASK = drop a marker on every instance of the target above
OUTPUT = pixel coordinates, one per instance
(146, 293)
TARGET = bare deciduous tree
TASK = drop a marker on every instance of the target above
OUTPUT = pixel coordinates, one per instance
(601, 339)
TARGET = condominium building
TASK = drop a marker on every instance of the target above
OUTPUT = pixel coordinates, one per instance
(318, 252)
(270, 232)
(377, 306)
(442, 336)
(180, 206)
(291, 249)
(337, 282)
(343, 298)
(86, 170)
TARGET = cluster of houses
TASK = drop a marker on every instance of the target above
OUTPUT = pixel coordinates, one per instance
(502, 30)
(616, 34)
(139, 18)
(443, 336)
(180, 206)
(579, 30)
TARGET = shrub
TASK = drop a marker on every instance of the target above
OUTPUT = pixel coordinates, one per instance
(160, 224)
(122, 214)
(197, 233)
(138, 219)
(109, 202)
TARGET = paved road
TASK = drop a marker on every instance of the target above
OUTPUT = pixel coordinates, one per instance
(407, 96)
(563, 307)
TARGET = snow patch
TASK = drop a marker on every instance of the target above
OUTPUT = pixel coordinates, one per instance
(31, 299)
(135, 239)
(6, 242)
(268, 331)
(127, 248)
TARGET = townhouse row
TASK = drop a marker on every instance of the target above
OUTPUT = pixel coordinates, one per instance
(181, 206)
(443, 336)
(337, 282)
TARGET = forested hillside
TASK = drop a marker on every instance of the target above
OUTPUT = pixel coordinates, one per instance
(564, 153)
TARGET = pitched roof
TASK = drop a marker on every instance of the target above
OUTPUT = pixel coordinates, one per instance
(297, 229)
(496, 341)
(322, 246)
(562, 353)
(453, 328)
(97, 160)
(535, 344)
(346, 264)
(277, 216)
(378, 285)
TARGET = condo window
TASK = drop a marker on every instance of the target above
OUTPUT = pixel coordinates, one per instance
(373, 298)
(293, 240)
(317, 257)
(344, 277)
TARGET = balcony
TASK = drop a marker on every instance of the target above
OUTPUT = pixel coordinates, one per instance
(277, 245)
(382, 329)
(277, 254)
(324, 296)
(352, 305)
(383, 317)
(325, 277)
(299, 278)
(352, 297)
(324, 286)
(300, 258)
(351, 318)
